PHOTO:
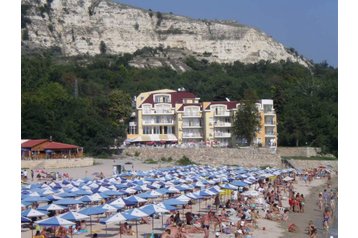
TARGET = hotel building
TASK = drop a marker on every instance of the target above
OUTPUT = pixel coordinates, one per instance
(169, 116)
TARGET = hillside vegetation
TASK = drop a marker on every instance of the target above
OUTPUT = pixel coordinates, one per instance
(85, 100)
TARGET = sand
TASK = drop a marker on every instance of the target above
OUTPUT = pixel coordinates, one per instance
(272, 229)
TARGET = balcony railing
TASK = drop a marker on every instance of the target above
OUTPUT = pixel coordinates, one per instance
(192, 135)
(191, 125)
(192, 114)
(269, 111)
(222, 124)
(156, 112)
(269, 122)
(158, 122)
(222, 114)
(222, 134)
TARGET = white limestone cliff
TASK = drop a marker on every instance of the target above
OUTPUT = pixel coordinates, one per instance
(79, 26)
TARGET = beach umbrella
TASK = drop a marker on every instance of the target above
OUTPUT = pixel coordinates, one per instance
(287, 178)
(54, 197)
(54, 221)
(92, 211)
(51, 207)
(35, 199)
(112, 193)
(239, 183)
(67, 201)
(109, 208)
(134, 214)
(174, 202)
(25, 220)
(229, 186)
(32, 213)
(87, 198)
(183, 198)
(118, 217)
(151, 209)
(132, 200)
(73, 216)
(118, 202)
(251, 193)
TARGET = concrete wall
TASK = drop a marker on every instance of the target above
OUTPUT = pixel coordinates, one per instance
(306, 164)
(212, 156)
(298, 151)
(56, 163)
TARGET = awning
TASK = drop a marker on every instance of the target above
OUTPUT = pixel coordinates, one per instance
(145, 138)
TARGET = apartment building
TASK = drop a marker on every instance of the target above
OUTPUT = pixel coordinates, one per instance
(170, 116)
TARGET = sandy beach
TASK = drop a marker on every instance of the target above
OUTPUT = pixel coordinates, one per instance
(272, 229)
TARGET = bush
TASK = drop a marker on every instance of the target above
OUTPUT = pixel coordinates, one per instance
(169, 159)
(136, 154)
(150, 161)
(184, 161)
(128, 154)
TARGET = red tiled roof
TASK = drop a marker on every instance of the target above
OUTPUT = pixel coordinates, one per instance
(190, 104)
(176, 97)
(32, 143)
(56, 146)
(230, 105)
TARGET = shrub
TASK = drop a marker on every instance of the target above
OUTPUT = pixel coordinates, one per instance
(150, 161)
(136, 153)
(184, 161)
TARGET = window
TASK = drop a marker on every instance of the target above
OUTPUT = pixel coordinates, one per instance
(147, 130)
(146, 108)
(156, 130)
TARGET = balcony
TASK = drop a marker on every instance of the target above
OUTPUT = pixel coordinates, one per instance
(192, 114)
(222, 135)
(269, 112)
(192, 135)
(192, 126)
(158, 112)
(163, 122)
(132, 123)
(269, 134)
(222, 114)
(222, 124)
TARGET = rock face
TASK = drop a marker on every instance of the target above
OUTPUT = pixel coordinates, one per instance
(79, 27)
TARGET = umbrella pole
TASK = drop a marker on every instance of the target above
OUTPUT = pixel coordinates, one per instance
(91, 224)
(136, 228)
(106, 229)
(162, 219)
(120, 234)
(153, 223)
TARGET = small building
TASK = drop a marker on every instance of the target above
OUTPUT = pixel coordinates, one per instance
(48, 149)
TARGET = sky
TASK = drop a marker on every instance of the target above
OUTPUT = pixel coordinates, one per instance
(309, 26)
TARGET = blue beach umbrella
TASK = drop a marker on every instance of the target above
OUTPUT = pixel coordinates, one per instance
(118, 217)
(67, 201)
(35, 199)
(133, 200)
(174, 202)
(73, 216)
(25, 220)
(51, 207)
(92, 211)
(54, 221)
(239, 183)
(32, 213)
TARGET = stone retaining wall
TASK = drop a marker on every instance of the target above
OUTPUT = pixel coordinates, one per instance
(56, 163)
(298, 151)
(247, 157)
(307, 164)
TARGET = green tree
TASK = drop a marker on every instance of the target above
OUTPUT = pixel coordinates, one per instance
(246, 121)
